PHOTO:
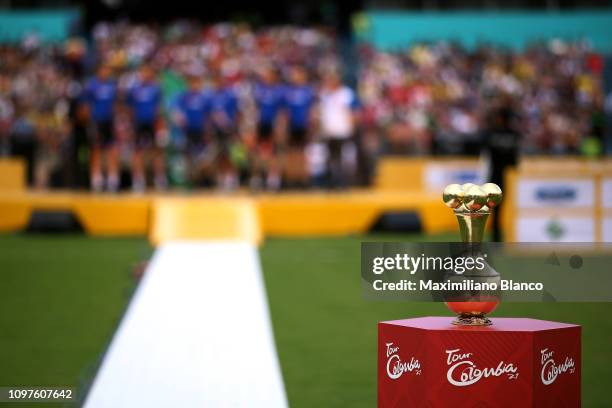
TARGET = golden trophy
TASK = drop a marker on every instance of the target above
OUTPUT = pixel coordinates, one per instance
(472, 205)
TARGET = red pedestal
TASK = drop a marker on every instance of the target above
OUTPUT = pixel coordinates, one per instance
(429, 362)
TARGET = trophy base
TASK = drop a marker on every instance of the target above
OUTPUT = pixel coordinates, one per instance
(472, 319)
(518, 342)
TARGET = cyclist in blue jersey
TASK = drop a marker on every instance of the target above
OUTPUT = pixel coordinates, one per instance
(298, 102)
(144, 100)
(194, 108)
(100, 94)
(268, 95)
(225, 119)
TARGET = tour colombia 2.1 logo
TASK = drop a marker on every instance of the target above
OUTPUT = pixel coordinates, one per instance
(551, 369)
(463, 372)
(396, 367)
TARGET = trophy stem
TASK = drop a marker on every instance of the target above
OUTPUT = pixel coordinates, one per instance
(472, 226)
(472, 229)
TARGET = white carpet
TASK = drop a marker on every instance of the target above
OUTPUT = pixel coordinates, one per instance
(196, 334)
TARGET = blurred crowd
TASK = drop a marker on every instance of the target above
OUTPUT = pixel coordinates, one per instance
(438, 98)
(227, 105)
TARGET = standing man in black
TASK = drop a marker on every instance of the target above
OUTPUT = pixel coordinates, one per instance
(501, 143)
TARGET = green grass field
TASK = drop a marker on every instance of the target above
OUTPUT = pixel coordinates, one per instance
(61, 298)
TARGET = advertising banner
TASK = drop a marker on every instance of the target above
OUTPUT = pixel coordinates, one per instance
(559, 228)
(558, 192)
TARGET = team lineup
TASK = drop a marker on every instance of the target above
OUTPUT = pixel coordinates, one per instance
(209, 114)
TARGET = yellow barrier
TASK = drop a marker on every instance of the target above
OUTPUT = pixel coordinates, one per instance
(204, 218)
(347, 213)
(100, 214)
(399, 173)
(287, 214)
(426, 174)
(12, 174)
(113, 215)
